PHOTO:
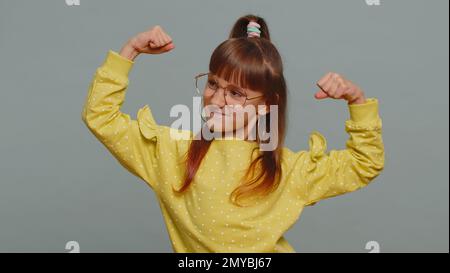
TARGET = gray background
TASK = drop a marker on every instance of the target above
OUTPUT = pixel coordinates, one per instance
(58, 183)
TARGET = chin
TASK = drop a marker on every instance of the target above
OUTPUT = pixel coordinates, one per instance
(216, 125)
(217, 128)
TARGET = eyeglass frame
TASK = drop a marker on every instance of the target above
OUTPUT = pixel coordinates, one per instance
(226, 88)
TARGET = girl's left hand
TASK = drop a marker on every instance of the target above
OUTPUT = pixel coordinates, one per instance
(335, 86)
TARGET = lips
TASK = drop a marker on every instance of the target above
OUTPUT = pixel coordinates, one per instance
(217, 112)
(220, 113)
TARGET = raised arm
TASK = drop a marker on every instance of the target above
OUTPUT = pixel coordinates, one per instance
(321, 174)
(132, 142)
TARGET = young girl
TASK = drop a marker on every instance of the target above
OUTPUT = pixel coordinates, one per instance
(226, 194)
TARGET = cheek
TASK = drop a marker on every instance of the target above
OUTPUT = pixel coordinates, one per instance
(242, 119)
(205, 101)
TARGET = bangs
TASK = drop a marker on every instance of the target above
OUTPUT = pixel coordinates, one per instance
(241, 63)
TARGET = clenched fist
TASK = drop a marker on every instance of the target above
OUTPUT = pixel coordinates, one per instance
(335, 86)
(153, 41)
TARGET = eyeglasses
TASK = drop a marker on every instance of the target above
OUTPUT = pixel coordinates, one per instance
(233, 95)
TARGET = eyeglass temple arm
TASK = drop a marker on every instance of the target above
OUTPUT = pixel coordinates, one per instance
(255, 97)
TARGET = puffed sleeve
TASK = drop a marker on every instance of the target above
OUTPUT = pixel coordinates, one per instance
(134, 143)
(322, 175)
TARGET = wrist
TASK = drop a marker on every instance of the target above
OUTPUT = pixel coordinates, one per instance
(129, 52)
(358, 100)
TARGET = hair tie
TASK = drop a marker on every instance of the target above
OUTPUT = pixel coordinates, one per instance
(253, 29)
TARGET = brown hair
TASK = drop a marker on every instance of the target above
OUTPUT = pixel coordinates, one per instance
(253, 63)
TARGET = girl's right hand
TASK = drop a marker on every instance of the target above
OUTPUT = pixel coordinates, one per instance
(153, 41)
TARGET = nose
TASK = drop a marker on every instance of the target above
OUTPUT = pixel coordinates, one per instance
(218, 98)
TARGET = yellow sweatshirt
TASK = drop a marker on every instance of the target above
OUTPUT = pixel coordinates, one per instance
(203, 219)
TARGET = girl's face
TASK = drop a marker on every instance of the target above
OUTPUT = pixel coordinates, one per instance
(223, 117)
